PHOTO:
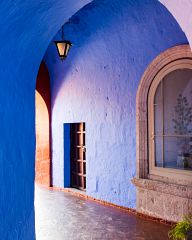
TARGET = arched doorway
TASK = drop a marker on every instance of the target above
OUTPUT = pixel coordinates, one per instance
(43, 128)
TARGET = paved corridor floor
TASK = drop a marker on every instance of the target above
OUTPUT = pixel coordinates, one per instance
(62, 216)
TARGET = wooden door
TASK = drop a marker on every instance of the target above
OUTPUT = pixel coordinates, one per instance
(78, 156)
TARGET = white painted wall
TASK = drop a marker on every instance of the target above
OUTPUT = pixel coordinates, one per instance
(182, 11)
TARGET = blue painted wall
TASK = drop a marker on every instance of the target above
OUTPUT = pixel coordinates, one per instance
(113, 43)
(26, 29)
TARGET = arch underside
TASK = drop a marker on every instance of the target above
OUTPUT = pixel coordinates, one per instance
(26, 30)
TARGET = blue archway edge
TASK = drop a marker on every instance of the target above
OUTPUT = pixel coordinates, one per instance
(26, 29)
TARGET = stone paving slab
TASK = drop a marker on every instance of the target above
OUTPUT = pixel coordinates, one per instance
(62, 216)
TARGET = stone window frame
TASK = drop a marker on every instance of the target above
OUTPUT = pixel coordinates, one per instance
(161, 61)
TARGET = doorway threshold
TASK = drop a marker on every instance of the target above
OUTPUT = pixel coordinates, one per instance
(76, 191)
(73, 191)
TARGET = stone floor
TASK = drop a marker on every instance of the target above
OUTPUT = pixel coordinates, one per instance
(62, 216)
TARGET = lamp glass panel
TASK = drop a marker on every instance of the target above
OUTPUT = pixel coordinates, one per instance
(67, 48)
(61, 48)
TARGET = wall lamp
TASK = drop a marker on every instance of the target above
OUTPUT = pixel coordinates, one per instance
(63, 46)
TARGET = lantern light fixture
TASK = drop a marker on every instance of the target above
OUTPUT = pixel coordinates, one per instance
(63, 46)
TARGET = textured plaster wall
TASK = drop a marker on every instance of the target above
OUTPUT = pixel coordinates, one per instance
(26, 28)
(97, 84)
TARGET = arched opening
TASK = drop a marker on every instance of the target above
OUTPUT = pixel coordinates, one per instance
(39, 23)
(43, 128)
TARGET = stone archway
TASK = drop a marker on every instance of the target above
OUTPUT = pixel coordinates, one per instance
(141, 106)
(155, 192)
